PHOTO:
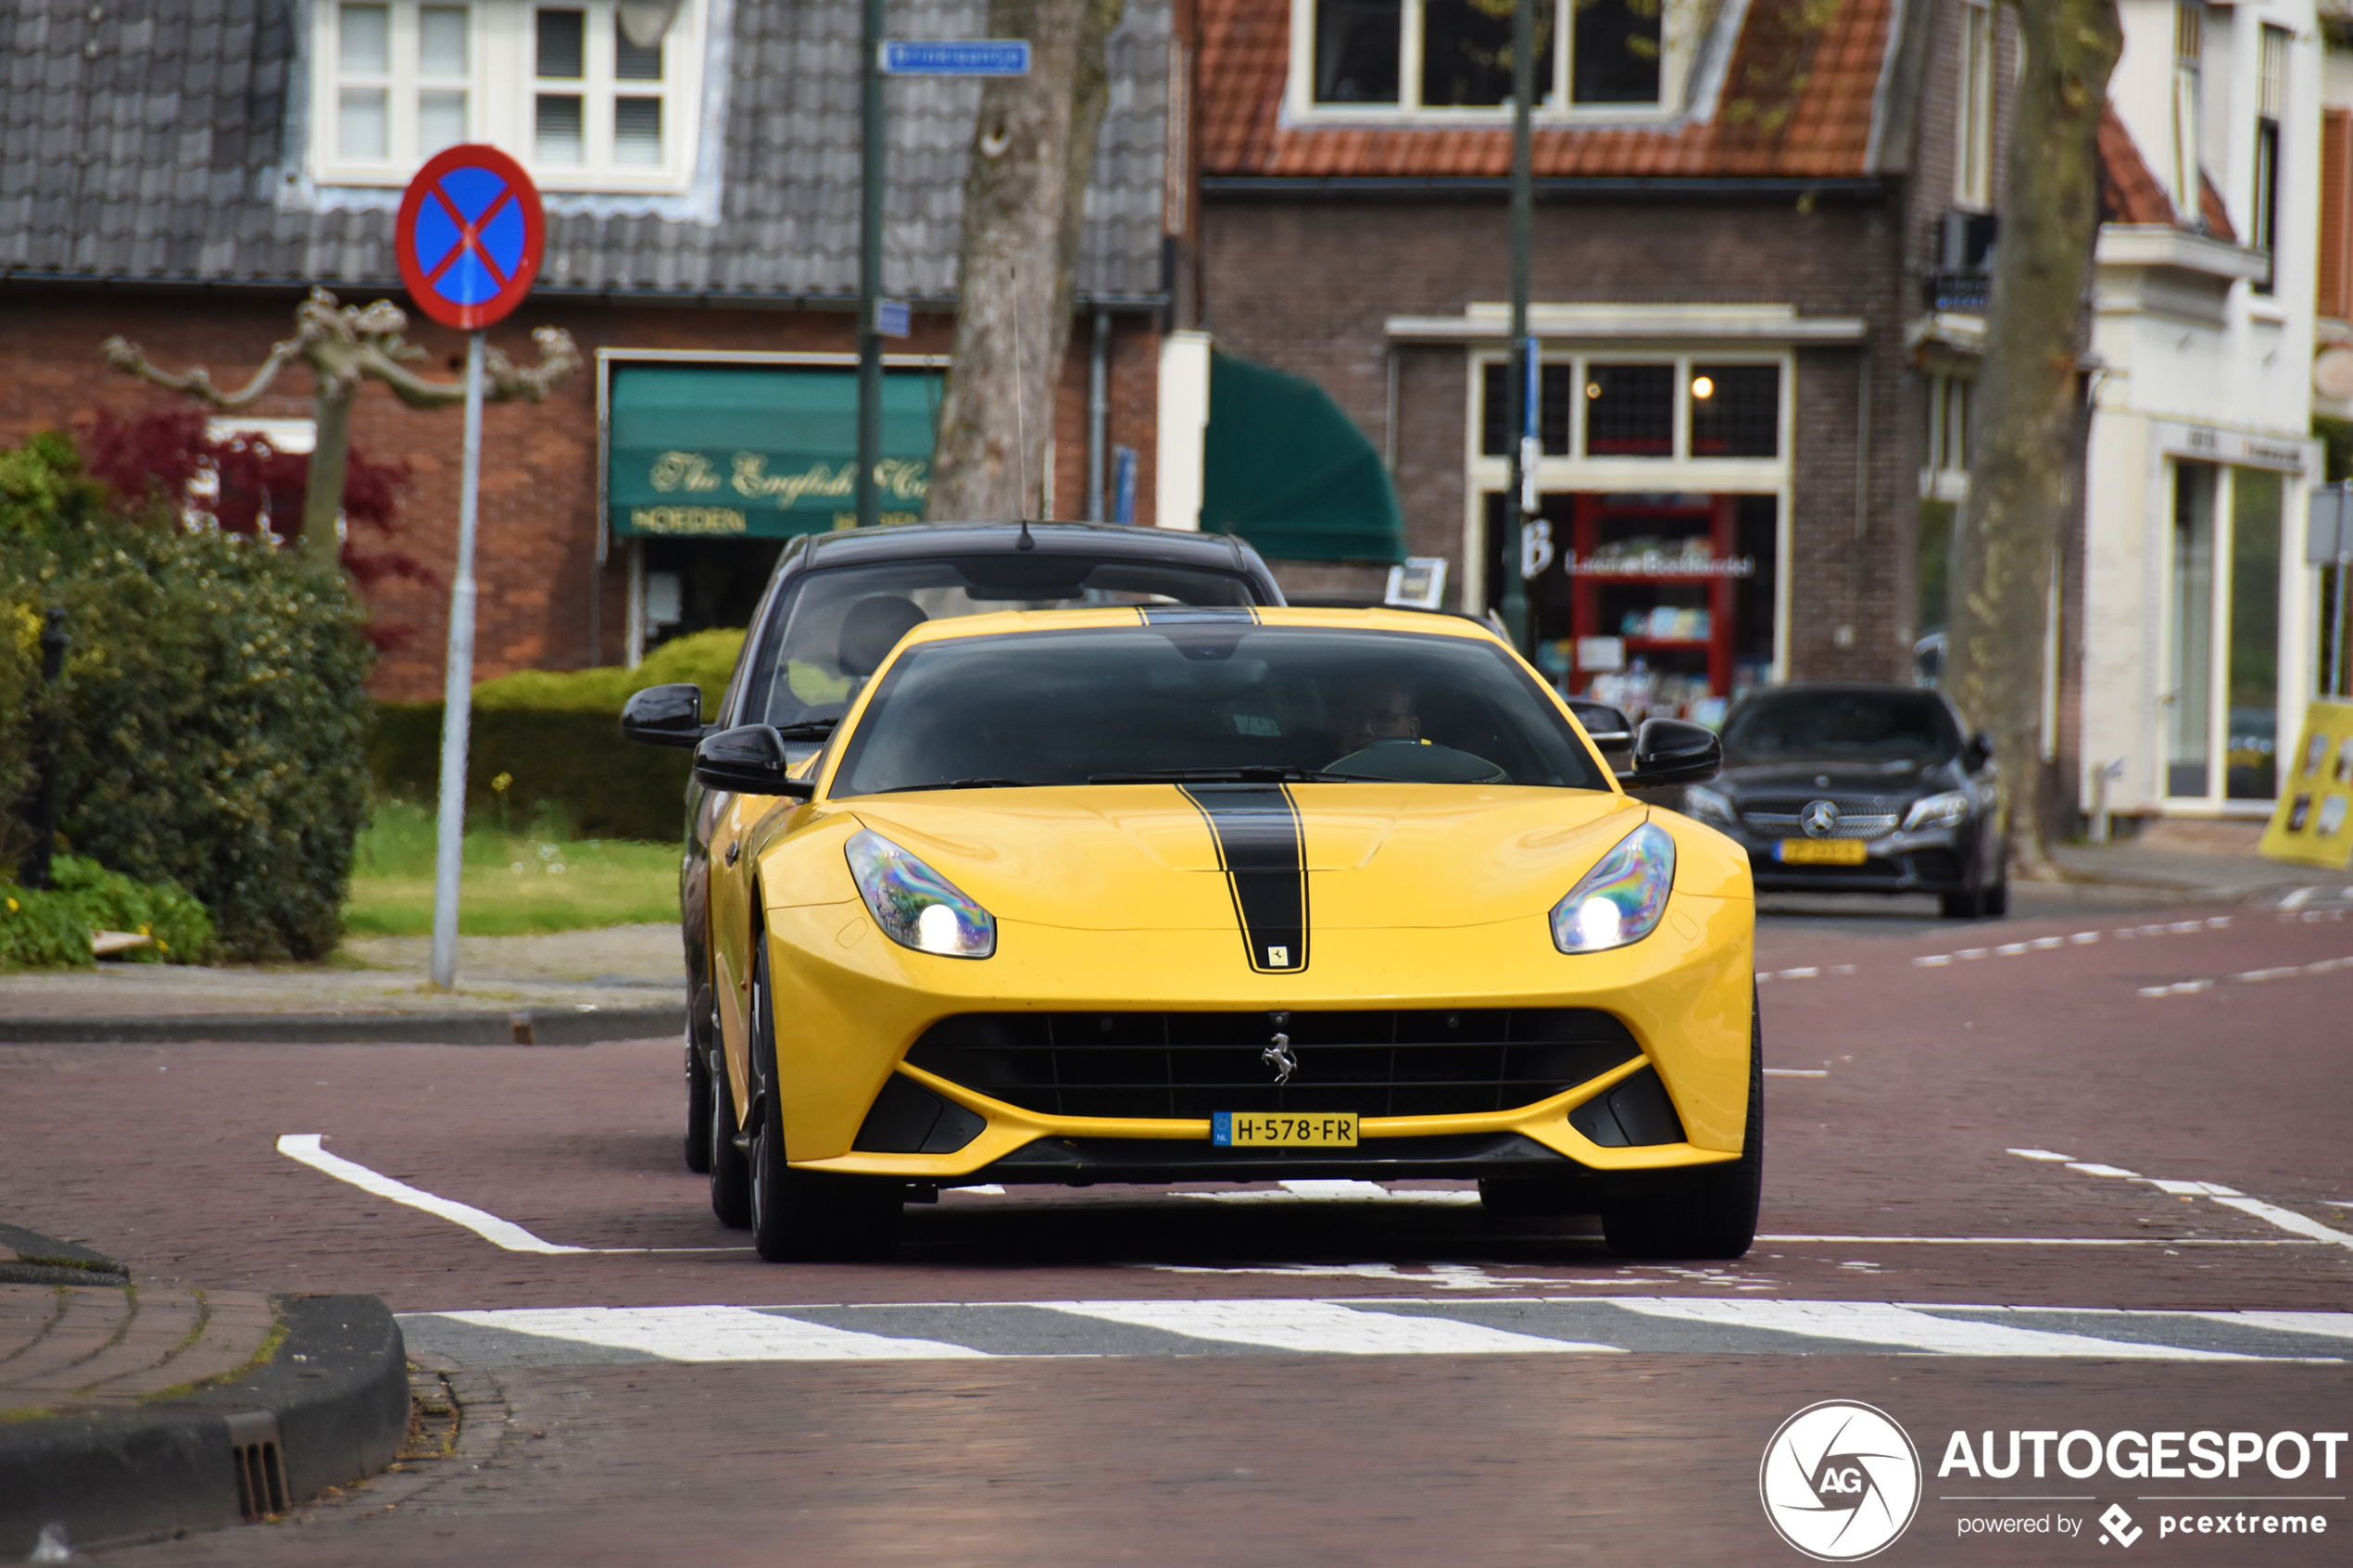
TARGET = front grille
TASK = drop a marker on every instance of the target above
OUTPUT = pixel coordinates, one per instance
(1860, 816)
(1438, 1061)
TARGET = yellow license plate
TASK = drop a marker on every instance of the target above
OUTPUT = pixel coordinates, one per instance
(1251, 1129)
(1821, 852)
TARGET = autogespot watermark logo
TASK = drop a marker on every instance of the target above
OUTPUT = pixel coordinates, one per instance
(1840, 1481)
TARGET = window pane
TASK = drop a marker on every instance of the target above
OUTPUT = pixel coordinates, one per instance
(1466, 51)
(556, 137)
(1629, 410)
(441, 119)
(2191, 664)
(365, 40)
(631, 63)
(1736, 411)
(1555, 392)
(1495, 411)
(563, 44)
(359, 129)
(1356, 44)
(637, 130)
(1556, 385)
(441, 40)
(2252, 764)
(1616, 51)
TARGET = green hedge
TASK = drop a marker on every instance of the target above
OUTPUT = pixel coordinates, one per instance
(556, 738)
(213, 708)
(51, 929)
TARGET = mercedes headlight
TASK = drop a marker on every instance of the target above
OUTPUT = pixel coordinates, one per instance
(916, 906)
(1938, 810)
(1709, 805)
(1620, 900)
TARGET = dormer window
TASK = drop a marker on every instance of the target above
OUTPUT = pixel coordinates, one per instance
(596, 96)
(1352, 59)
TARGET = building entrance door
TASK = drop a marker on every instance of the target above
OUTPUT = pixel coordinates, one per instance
(2219, 711)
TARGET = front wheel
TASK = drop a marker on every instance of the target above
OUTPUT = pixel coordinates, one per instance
(1716, 1217)
(730, 1169)
(697, 1141)
(800, 1215)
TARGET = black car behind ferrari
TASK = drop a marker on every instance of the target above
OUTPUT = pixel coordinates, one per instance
(1855, 788)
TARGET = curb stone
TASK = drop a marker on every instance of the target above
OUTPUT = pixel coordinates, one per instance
(333, 1401)
(526, 1026)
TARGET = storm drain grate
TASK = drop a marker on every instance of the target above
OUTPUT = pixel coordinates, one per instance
(261, 1469)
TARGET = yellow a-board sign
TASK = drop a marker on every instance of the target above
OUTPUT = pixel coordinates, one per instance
(2314, 822)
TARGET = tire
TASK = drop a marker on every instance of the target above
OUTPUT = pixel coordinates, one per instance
(1537, 1197)
(730, 1169)
(698, 1140)
(804, 1216)
(1962, 906)
(1997, 898)
(1716, 1218)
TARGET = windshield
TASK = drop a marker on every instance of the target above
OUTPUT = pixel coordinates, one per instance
(840, 622)
(1178, 701)
(1833, 726)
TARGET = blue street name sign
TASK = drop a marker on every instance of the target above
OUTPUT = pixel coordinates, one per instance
(891, 317)
(970, 56)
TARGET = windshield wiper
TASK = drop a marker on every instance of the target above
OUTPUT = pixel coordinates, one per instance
(967, 784)
(1273, 772)
(808, 729)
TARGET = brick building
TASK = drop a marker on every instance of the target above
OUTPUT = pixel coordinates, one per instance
(1753, 222)
(181, 174)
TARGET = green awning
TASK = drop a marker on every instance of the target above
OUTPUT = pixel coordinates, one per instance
(1284, 467)
(759, 451)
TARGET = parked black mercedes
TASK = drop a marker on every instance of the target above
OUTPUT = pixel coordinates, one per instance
(835, 608)
(1854, 788)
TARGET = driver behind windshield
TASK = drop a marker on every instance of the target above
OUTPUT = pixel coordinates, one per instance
(1377, 728)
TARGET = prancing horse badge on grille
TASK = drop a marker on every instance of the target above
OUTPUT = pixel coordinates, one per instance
(1278, 1055)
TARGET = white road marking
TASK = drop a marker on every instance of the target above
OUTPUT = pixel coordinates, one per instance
(1884, 1324)
(2085, 938)
(1797, 1073)
(2040, 1154)
(2179, 988)
(2297, 898)
(1801, 975)
(505, 1234)
(711, 1334)
(2335, 1325)
(2287, 1219)
(1446, 1276)
(987, 1190)
(2091, 1168)
(2038, 1240)
(1321, 1326)
(2230, 1197)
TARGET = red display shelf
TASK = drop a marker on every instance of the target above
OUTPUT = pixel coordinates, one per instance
(1642, 645)
(1714, 521)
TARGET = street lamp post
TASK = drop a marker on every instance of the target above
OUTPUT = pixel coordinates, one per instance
(873, 162)
(1516, 503)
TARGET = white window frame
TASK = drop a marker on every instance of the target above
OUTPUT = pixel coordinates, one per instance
(1944, 455)
(502, 91)
(1776, 476)
(1973, 128)
(1678, 40)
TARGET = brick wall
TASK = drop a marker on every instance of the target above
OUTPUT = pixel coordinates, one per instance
(535, 556)
(1306, 286)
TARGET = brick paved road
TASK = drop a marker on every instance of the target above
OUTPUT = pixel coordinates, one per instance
(2193, 1055)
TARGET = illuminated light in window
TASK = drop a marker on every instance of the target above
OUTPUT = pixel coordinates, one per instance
(1703, 387)
(1592, 389)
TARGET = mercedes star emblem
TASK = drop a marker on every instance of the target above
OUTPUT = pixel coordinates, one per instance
(1819, 818)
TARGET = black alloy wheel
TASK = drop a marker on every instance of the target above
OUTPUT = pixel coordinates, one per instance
(1713, 1217)
(700, 1032)
(804, 1216)
(730, 1169)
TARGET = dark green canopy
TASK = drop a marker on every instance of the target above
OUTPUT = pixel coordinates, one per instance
(759, 451)
(1289, 471)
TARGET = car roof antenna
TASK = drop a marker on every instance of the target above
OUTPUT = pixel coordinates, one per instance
(1021, 434)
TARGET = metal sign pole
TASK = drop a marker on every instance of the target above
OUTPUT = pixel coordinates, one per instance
(873, 164)
(2340, 685)
(456, 702)
(1514, 598)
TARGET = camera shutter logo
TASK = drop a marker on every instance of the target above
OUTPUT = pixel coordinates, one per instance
(1840, 1481)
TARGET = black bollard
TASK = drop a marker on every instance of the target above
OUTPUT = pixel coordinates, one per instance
(34, 870)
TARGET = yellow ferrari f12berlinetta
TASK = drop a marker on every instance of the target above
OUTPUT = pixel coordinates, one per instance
(1224, 894)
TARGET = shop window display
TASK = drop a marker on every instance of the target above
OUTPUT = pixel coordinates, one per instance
(1629, 410)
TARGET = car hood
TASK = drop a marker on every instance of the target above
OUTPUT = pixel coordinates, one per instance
(1145, 856)
(1845, 777)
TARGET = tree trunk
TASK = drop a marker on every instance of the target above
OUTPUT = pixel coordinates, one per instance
(330, 459)
(1024, 208)
(2026, 397)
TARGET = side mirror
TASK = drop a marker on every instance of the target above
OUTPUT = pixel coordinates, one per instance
(1977, 752)
(1669, 751)
(749, 759)
(664, 715)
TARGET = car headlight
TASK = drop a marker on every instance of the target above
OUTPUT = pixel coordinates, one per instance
(913, 904)
(1938, 810)
(1709, 805)
(1620, 900)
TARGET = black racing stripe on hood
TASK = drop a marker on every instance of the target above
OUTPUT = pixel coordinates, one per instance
(1177, 615)
(1260, 847)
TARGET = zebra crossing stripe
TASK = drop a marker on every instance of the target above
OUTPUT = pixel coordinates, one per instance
(708, 1333)
(1321, 1327)
(1905, 1328)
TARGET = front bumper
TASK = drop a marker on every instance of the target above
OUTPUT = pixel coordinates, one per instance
(849, 1003)
(1935, 860)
